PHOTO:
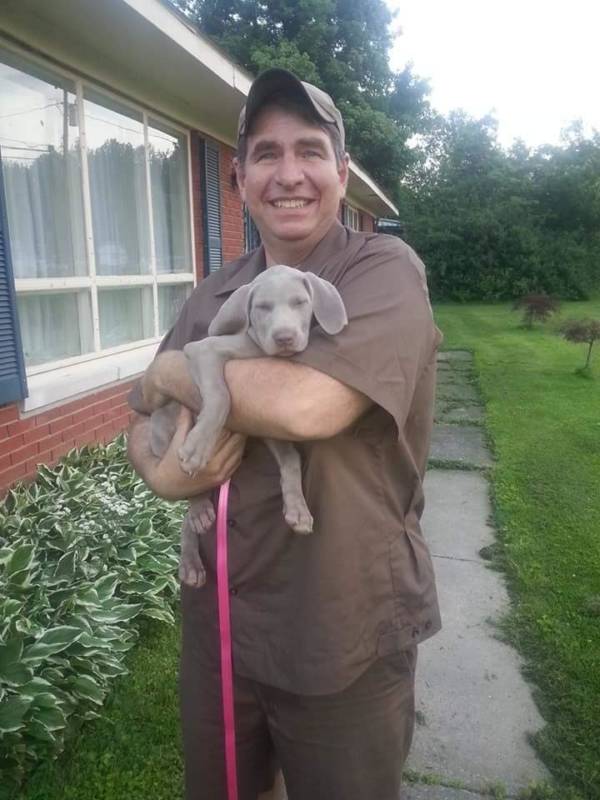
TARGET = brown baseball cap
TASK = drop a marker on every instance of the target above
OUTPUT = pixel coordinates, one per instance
(280, 80)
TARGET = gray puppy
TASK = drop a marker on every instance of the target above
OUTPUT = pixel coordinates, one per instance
(269, 316)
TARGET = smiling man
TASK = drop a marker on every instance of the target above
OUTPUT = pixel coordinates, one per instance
(325, 627)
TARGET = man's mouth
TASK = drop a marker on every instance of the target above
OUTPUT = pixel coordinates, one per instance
(296, 203)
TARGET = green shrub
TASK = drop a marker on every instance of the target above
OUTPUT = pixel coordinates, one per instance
(536, 307)
(86, 551)
(582, 331)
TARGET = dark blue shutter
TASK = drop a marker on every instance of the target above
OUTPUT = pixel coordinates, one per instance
(344, 214)
(251, 234)
(13, 385)
(213, 250)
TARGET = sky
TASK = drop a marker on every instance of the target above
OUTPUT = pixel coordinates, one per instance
(534, 64)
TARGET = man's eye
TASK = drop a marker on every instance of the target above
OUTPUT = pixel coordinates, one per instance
(265, 156)
(311, 154)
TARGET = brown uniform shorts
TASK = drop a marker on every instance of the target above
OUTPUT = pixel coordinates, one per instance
(350, 745)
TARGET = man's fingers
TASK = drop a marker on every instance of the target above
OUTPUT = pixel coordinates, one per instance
(234, 445)
(227, 458)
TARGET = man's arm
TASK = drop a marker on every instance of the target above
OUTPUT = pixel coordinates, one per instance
(270, 398)
(279, 399)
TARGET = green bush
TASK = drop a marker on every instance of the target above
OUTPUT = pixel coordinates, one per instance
(86, 552)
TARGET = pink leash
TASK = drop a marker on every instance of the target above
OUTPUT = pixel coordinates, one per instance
(225, 628)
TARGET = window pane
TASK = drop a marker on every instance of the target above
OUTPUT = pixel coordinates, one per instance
(170, 303)
(55, 326)
(170, 207)
(39, 137)
(116, 165)
(125, 315)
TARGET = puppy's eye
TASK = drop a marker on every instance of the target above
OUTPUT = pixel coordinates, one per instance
(264, 306)
(298, 301)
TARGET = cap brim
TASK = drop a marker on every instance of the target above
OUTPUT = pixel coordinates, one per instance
(268, 83)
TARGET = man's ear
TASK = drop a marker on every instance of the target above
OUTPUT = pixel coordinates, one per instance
(240, 178)
(344, 173)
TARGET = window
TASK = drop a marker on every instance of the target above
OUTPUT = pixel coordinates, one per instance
(351, 217)
(98, 207)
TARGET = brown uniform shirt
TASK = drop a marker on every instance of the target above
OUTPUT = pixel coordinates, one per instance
(310, 613)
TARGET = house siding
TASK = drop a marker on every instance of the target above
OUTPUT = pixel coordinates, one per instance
(232, 213)
(367, 222)
(43, 438)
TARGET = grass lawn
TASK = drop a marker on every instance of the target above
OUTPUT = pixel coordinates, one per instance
(133, 752)
(543, 422)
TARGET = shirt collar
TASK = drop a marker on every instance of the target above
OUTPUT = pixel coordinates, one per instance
(254, 264)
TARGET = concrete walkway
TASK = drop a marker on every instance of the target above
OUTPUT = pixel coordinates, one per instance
(475, 710)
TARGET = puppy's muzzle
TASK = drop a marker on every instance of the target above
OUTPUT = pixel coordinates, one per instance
(285, 339)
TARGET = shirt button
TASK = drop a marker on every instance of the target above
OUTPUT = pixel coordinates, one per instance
(233, 590)
(232, 523)
(428, 625)
(415, 632)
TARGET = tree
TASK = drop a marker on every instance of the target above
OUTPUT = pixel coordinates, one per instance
(536, 307)
(584, 331)
(492, 224)
(341, 46)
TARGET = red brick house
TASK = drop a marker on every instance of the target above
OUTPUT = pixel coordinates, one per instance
(117, 133)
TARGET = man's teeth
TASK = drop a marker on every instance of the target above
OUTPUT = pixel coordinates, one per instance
(290, 203)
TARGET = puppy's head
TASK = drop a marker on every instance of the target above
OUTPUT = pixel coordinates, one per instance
(280, 311)
(276, 310)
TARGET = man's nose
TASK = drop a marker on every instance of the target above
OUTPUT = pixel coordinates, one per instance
(289, 172)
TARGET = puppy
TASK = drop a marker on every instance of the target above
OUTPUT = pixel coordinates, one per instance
(270, 316)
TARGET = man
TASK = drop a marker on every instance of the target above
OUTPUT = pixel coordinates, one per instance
(325, 626)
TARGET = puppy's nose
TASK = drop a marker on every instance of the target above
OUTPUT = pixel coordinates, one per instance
(284, 337)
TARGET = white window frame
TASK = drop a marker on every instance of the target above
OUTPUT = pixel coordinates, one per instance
(352, 217)
(56, 380)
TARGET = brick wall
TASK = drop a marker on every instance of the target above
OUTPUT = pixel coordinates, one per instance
(232, 215)
(43, 438)
(367, 222)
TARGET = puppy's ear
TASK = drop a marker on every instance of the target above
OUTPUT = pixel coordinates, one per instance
(328, 306)
(234, 314)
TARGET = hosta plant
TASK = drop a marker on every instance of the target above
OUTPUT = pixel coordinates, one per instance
(86, 552)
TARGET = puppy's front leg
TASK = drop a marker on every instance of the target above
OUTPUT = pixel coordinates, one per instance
(207, 361)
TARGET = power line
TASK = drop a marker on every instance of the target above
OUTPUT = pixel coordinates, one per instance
(56, 104)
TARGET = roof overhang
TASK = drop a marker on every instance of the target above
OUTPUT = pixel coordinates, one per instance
(367, 193)
(149, 52)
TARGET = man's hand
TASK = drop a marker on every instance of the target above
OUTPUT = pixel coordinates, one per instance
(165, 476)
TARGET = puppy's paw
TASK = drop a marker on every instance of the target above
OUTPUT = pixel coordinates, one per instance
(190, 462)
(298, 517)
(195, 453)
(192, 572)
(202, 516)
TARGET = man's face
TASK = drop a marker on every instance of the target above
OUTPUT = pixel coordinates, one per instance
(290, 181)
